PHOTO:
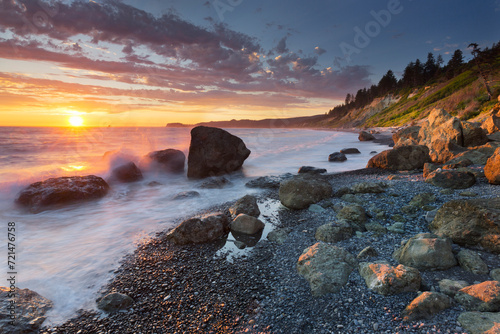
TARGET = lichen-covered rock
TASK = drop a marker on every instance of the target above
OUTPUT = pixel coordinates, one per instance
(246, 224)
(247, 205)
(325, 267)
(472, 262)
(385, 279)
(470, 222)
(404, 158)
(480, 322)
(114, 301)
(482, 297)
(426, 251)
(426, 305)
(301, 191)
(200, 229)
(334, 232)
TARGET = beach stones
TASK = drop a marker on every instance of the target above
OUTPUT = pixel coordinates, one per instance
(301, 191)
(404, 158)
(169, 160)
(55, 192)
(114, 301)
(214, 152)
(470, 222)
(325, 267)
(385, 279)
(200, 229)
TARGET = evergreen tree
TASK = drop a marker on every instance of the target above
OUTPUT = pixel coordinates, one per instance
(454, 66)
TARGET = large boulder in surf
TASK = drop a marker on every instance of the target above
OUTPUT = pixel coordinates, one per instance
(402, 158)
(55, 192)
(128, 172)
(365, 136)
(169, 160)
(214, 152)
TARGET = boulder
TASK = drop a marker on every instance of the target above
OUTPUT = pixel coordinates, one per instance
(29, 308)
(247, 205)
(385, 279)
(126, 173)
(325, 267)
(406, 136)
(169, 160)
(443, 151)
(350, 150)
(478, 155)
(470, 222)
(480, 322)
(355, 215)
(426, 305)
(214, 152)
(402, 158)
(495, 274)
(451, 179)
(482, 297)
(472, 262)
(268, 182)
(60, 191)
(311, 170)
(491, 124)
(200, 229)
(337, 157)
(473, 134)
(246, 224)
(492, 168)
(279, 235)
(114, 302)
(450, 287)
(334, 232)
(186, 194)
(215, 182)
(430, 167)
(422, 199)
(365, 136)
(426, 251)
(368, 188)
(301, 191)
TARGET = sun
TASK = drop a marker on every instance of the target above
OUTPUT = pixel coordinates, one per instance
(75, 121)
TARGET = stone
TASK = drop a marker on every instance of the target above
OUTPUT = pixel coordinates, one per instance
(426, 305)
(214, 152)
(386, 280)
(473, 135)
(268, 182)
(114, 302)
(316, 208)
(279, 235)
(198, 230)
(482, 297)
(30, 310)
(126, 173)
(334, 232)
(452, 179)
(495, 274)
(472, 262)
(430, 167)
(491, 124)
(215, 183)
(397, 228)
(186, 195)
(404, 158)
(301, 191)
(325, 267)
(375, 228)
(169, 160)
(492, 168)
(470, 222)
(450, 287)
(350, 198)
(480, 322)
(369, 188)
(247, 205)
(406, 136)
(350, 151)
(367, 252)
(57, 192)
(459, 164)
(410, 210)
(426, 251)
(337, 157)
(422, 199)
(365, 136)
(478, 155)
(355, 215)
(311, 170)
(246, 224)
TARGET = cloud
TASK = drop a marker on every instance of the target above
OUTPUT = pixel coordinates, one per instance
(281, 47)
(319, 51)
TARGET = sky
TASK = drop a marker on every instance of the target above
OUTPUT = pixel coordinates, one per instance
(153, 62)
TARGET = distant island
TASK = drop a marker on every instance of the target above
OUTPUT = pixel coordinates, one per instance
(294, 122)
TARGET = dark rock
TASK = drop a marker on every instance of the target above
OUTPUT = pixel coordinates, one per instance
(365, 136)
(350, 151)
(214, 152)
(425, 306)
(268, 182)
(473, 134)
(452, 179)
(215, 183)
(337, 157)
(169, 160)
(60, 191)
(114, 302)
(186, 194)
(247, 205)
(301, 191)
(29, 310)
(311, 170)
(480, 322)
(200, 230)
(246, 224)
(472, 262)
(404, 158)
(334, 232)
(367, 252)
(126, 173)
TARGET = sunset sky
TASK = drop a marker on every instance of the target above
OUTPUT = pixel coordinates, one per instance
(151, 62)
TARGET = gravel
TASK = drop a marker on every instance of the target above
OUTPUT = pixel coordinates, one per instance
(213, 288)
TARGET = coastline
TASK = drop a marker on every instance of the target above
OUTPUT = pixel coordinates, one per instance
(191, 289)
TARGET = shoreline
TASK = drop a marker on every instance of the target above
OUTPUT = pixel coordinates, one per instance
(191, 289)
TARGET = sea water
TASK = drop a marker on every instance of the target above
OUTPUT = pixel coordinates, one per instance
(68, 254)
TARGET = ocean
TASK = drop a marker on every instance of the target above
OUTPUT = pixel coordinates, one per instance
(68, 254)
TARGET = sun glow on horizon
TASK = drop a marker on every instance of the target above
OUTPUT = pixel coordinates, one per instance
(76, 121)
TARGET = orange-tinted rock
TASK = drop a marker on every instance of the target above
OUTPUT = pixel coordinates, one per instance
(492, 168)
